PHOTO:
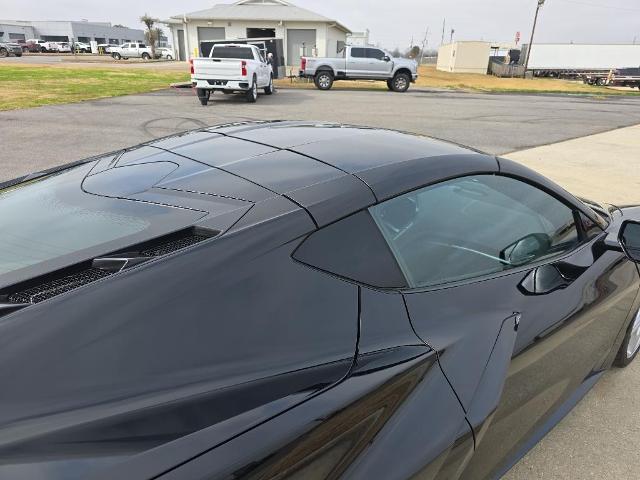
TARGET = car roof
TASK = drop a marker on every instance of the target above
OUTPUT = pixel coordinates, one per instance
(329, 169)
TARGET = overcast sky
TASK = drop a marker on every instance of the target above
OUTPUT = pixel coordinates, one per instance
(392, 23)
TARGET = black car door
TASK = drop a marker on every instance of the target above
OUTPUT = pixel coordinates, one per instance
(512, 287)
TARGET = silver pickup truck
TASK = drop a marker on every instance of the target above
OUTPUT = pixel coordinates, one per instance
(360, 63)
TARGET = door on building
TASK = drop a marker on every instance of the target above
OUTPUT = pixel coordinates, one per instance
(208, 34)
(298, 38)
(182, 54)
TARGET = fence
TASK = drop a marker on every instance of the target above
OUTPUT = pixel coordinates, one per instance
(500, 69)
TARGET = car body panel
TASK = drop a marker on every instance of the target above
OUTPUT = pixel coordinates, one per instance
(230, 357)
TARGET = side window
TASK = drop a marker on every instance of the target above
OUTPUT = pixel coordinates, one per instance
(353, 248)
(375, 53)
(473, 226)
(358, 53)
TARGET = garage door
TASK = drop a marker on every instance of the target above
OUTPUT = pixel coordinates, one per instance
(296, 39)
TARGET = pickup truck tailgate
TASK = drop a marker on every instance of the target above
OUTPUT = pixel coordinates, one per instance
(215, 68)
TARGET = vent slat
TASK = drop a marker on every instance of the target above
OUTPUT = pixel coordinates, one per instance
(103, 267)
(56, 287)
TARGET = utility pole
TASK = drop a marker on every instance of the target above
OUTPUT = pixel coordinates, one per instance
(424, 45)
(533, 31)
(444, 20)
(451, 38)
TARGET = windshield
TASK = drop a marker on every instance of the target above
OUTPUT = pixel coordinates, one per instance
(50, 223)
(243, 53)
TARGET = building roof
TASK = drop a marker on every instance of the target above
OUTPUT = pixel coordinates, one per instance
(266, 10)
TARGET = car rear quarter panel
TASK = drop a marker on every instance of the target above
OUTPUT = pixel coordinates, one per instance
(219, 329)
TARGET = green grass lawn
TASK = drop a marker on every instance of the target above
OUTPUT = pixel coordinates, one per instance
(33, 86)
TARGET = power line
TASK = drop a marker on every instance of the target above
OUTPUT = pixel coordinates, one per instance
(597, 5)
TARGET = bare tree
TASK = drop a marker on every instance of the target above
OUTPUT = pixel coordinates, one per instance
(413, 52)
(152, 33)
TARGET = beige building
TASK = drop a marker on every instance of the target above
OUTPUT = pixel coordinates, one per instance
(301, 30)
(464, 57)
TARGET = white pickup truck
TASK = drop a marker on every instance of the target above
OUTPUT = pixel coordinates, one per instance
(131, 50)
(232, 68)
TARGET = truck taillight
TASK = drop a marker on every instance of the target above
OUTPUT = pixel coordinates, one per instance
(303, 63)
(244, 68)
(191, 64)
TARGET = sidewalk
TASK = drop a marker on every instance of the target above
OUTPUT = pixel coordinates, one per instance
(603, 167)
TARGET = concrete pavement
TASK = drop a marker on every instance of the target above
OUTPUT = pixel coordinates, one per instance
(603, 167)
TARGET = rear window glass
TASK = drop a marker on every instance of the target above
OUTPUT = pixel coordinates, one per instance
(50, 223)
(243, 53)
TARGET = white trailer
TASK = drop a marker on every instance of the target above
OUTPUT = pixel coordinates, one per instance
(575, 59)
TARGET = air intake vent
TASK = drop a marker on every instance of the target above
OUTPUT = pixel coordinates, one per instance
(67, 279)
(174, 245)
(56, 287)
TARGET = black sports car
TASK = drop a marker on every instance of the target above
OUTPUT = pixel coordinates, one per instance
(287, 300)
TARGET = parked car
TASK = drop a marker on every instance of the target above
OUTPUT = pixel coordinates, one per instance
(132, 50)
(10, 48)
(82, 47)
(36, 45)
(360, 63)
(231, 68)
(301, 300)
(165, 53)
(63, 47)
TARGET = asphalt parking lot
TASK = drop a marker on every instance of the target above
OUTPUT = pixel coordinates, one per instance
(38, 138)
(600, 437)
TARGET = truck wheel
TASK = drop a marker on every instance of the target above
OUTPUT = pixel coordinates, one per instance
(25, 49)
(3, 53)
(43, 50)
(601, 82)
(400, 83)
(203, 96)
(252, 93)
(323, 80)
(390, 84)
(117, 56)
(146, 56)
(18, 54)
(269, 88)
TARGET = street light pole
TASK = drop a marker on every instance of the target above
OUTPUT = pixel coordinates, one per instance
(533, 31)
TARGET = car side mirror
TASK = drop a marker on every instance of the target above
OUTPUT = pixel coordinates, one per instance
(526, 249)
(386, 58)
(629, 238)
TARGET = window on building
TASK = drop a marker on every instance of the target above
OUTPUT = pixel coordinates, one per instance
(84, 39)
(17, 36)
(113, 41)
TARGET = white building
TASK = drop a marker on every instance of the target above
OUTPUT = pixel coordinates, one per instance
(301, 30)
(470, 56)
(66, 31)
(358, 39)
